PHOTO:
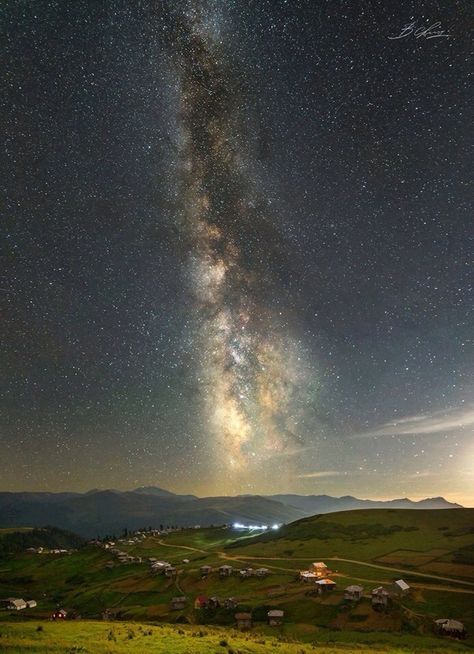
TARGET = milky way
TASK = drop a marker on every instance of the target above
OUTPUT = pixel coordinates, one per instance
(251, 375)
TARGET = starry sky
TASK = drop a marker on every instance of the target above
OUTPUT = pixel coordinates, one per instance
(236, 242)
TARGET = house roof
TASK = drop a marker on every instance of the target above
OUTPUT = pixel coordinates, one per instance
(243, 616)
(354, 589)
(275, 613)
(380, 590)
(326, 582)
(450, 625)
(402, 584)
(319, 564)
(178, 599)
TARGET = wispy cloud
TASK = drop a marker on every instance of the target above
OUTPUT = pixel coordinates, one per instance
(431, 423)
(321, 473)
(422, 474)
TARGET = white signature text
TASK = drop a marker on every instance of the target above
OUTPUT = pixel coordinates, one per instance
(434, 31)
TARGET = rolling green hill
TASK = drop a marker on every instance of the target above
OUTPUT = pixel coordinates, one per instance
(400, 535)
(429, 549)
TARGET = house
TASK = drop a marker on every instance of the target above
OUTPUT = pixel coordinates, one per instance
(185, 560)
(59, 615)
(229, 603)
(31, 604)
(400, 588)
(243, 620)
(170, 571)
(111, 614)
(448, 627)
(307, 576)
(325, 585)
(246, 572)
(178, 603)
(15, 604)
(262, 572)
(160, 566)
(353, 593)
(225, 570)
(205, 570)
(201, 602)
(320, 569)
(380, 598)
(109, 565)
(275, 617)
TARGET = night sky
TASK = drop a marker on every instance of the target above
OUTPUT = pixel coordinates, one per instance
(236, 247)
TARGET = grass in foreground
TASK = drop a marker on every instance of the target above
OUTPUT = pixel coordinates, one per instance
(83, 637)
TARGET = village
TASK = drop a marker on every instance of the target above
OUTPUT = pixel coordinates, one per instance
(317, 581)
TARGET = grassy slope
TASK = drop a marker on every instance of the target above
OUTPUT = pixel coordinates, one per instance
(360, 534)
(81, 582)
(132, 638)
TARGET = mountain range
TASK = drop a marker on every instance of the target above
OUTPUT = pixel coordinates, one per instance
(101, 512)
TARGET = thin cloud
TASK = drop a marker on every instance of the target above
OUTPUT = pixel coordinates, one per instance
(434, 423)
(321, 473)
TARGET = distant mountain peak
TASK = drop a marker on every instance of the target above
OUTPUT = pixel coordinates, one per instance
(153, 490)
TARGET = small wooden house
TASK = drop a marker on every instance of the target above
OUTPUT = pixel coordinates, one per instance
(448, 627)
(262, 572)
(178, 603)
(247, 572)
(111, 614)
(225, 570)
(170, 572)
(308, 576)
(320, 569)
(205, 570)
(16, 604)
(325, 585)
(201, 602)
(400, 588)
(243, 620)
(353, 593)
(380, 598)
(159, 567)
(60, 614)
(275, 617)
(31, 604)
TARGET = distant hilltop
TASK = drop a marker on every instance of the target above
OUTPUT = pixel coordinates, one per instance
(100, 512)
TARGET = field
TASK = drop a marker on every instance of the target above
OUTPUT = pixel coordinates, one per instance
(87, 637)
(366, 547)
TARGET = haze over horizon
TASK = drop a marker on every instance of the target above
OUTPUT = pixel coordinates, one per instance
(236, 249)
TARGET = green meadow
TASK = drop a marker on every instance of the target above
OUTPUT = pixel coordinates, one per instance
(429, 549)
(88, 637)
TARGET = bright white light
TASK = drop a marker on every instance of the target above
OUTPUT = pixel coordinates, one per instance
(239, 526)
(275, 526)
